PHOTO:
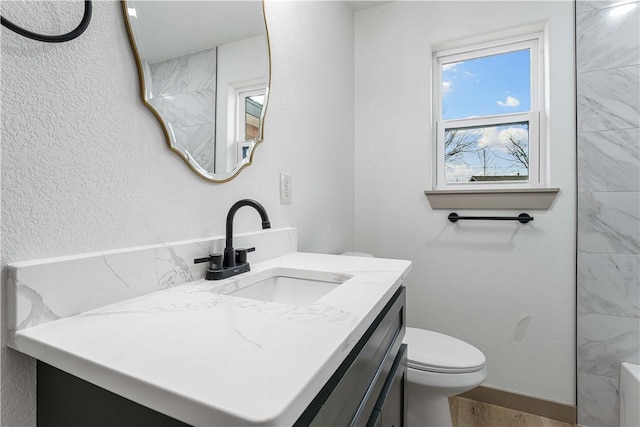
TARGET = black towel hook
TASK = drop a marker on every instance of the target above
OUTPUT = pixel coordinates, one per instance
(53, 39)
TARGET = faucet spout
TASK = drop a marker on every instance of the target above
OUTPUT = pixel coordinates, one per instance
(229, 252)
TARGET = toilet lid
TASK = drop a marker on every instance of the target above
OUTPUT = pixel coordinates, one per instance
(435, 352)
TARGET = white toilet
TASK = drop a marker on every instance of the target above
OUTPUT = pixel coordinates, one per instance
(438, 366)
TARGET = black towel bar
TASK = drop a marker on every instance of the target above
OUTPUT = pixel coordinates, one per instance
(523, 218)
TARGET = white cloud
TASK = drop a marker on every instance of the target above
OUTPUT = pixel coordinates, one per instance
(458, 172)
(446, 86)
(452, 66)
(497, 140)
(509, 102)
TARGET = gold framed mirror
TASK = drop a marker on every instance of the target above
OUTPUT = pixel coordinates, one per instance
(205, 71)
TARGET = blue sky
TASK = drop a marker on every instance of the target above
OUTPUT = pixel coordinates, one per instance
(483, 86)
(491, 85)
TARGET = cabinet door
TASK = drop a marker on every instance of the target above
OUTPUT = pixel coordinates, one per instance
(66, 400)
(392, 401)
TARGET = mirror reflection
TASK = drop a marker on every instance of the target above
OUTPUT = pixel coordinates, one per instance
(204, 69)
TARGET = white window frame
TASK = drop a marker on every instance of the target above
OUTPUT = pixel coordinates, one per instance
(240, 118)
(535, 116)
(240, 140)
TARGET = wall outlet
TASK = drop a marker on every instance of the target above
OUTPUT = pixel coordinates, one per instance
(285, 188)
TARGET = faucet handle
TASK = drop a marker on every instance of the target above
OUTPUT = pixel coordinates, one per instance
(241, 255)
(214, 260)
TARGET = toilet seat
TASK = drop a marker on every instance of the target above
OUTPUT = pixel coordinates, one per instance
(435, 352)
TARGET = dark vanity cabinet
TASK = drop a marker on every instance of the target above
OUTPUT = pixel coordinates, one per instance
(64, 400)
(368, 389)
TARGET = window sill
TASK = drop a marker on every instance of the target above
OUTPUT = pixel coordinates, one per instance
(525, 198)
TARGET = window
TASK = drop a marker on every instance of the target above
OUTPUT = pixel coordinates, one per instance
(250, 104)
(487, 113)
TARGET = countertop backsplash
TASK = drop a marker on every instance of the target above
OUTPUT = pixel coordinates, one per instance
(49, 289)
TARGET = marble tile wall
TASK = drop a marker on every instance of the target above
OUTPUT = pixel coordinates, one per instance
(184, 90)
(608, 300)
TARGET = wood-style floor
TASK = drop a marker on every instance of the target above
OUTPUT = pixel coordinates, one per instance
(469, 413)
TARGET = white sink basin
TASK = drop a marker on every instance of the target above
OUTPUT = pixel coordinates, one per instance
(288, 285)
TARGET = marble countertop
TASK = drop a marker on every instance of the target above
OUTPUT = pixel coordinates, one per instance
(206, 358)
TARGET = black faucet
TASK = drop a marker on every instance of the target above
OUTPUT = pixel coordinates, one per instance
(229, 251)
(233, 261)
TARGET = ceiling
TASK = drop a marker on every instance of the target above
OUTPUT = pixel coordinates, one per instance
(168, 29)
(357, 5)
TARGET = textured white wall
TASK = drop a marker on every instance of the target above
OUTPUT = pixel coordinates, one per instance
(506, 288)
(85, 166)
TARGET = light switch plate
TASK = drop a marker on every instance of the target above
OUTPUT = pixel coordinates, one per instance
(285, 188)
